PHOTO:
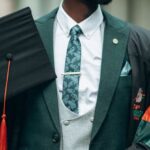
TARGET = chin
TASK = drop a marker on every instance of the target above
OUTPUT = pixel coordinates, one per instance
(102, 2)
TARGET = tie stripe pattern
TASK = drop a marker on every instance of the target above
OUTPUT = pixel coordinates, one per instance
(72, 65)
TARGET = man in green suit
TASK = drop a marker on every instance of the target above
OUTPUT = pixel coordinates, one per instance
(110, 93)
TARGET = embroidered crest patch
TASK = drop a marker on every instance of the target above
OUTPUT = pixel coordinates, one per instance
(140, 96)
(137, 108)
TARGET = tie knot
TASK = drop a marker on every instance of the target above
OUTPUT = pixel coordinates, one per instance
(75, 31)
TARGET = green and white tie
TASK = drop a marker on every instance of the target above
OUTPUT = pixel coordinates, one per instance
(70, 94)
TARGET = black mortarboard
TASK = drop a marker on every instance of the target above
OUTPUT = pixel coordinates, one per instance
(24, 63)
(20, 41)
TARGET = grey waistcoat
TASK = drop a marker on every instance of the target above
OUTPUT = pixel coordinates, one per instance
(76, 130)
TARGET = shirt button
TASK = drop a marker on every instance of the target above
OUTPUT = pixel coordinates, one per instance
(55, 138)
(60, 90)
(66, 123)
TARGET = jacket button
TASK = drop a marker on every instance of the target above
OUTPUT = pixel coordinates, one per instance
(55, 138)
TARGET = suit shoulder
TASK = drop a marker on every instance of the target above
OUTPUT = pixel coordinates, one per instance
(114, 21)
(46, 17)
(139, 42)
(139, 33)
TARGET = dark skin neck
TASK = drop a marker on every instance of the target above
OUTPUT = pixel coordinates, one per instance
(78, 10)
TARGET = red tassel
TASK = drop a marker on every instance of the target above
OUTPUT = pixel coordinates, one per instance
(3, 127)
(3, 134)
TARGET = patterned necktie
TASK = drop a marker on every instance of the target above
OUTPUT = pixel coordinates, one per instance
(72, 69)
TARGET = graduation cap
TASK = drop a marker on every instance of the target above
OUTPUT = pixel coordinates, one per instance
(24, 63)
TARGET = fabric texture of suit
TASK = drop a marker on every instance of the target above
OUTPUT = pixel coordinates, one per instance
(34, 118)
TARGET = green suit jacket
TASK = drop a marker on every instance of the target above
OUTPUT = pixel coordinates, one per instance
(34, 118)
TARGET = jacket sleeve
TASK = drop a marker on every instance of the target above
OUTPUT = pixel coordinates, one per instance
(139, 55)
(138, 147)
(142, 136)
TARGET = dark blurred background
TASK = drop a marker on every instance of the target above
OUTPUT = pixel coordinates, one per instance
(134, 11)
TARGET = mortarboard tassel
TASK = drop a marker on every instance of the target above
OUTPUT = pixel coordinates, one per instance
(3, 127)
(3, 134)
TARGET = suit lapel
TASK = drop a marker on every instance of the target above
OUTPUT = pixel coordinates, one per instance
(45, 27)
(113, 56)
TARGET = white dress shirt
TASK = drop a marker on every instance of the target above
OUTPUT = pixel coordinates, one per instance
(91, 55)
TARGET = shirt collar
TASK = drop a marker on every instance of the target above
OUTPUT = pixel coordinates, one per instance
(88, 26)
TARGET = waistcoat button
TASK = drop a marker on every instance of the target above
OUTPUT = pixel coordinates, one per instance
(91, 119)
(66, 123)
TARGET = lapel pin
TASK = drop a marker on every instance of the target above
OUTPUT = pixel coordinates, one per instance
(115, 41)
